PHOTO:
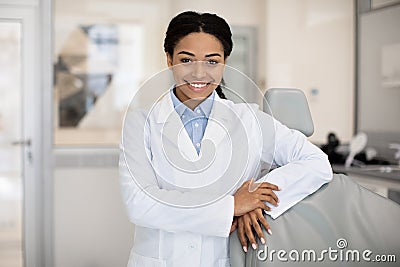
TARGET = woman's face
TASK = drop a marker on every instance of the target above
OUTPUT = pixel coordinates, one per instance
(198, 64)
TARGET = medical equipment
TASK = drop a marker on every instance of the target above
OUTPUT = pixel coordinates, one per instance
(397, 154)
(357, 144)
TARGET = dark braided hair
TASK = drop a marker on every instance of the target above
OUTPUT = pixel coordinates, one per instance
(188, 22)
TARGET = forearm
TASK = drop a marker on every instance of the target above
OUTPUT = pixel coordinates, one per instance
(303, 167)
(146, 207)
(297, 180)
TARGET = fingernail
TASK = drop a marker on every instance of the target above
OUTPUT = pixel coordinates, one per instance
(262, 240)
(245, 249)
(279, 188)
(269, 231)
(254, 246)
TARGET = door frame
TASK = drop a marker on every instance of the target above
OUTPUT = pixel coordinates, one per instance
(36, 91)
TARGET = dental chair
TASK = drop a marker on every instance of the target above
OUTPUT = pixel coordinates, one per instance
(342, 224)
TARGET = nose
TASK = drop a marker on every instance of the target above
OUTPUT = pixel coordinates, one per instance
(199, 70)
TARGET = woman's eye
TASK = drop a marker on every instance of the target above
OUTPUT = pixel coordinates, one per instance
(185, 60)
(212, 62)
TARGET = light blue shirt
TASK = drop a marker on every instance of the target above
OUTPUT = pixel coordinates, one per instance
(195, 121)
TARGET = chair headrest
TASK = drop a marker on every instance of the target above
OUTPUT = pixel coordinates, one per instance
(290, 107)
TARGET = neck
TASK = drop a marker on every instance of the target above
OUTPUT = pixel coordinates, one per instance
(192, 103)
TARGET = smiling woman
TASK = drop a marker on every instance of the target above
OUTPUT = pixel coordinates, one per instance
(198, 61)
(198, 37)
(188, 163)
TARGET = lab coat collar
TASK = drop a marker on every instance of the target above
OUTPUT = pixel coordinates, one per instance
(218, 123)
(205, 106)
(220, 109)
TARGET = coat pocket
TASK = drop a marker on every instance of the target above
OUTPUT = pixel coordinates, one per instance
(136, 260)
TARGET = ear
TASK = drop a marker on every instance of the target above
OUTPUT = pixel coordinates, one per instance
(169, 59)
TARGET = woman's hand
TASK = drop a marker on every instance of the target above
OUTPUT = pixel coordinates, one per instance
(246, 201)
(234, 225)
(249, 221)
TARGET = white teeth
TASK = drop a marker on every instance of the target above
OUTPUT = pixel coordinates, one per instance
(198, 85)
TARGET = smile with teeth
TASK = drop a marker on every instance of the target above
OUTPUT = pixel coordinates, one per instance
(198, 85)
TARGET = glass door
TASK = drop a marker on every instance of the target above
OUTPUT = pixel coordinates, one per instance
(12, 145)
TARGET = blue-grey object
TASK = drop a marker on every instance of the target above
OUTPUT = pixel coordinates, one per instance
(342, 216)
(289, 106)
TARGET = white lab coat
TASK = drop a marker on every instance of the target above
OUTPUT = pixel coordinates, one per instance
(170, 235)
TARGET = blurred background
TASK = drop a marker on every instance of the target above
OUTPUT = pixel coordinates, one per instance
(69, 68)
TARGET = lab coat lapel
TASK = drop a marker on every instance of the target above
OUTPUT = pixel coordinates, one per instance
(172, 129)
(220, 124)
(220, 121)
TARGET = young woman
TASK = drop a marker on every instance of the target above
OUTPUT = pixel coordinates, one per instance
(187, 163)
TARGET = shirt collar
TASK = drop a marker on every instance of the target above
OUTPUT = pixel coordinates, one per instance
(204, 106)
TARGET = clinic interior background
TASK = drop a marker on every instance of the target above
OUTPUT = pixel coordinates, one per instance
(302, 44)
(110, 47)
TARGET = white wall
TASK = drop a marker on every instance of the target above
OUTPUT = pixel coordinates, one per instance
(379, 75)
(310, 44)
(91, 227)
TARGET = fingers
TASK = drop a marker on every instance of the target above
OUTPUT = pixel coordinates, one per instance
(254, 221)
(234, 225)
(241, 234)
(249, 231)
(262, 190)
(245, 201)
(252, 186)
(267, 185)
(246, 224)
(268, 199)
(262, 205)
(263, 221)
(265, 195)
(268, 192)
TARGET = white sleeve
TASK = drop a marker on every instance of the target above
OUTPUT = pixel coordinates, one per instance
(142, 207)
(303, 167)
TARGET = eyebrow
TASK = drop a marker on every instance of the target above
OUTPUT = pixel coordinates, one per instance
(191, 54)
